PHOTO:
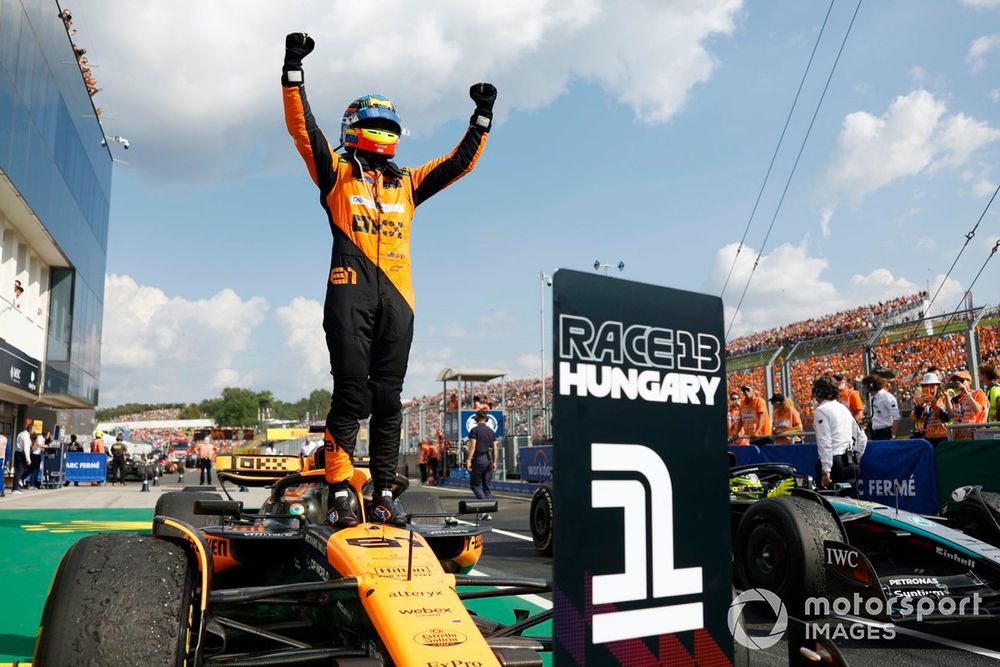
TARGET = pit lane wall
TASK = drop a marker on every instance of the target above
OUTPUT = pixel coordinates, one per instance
(892, 471)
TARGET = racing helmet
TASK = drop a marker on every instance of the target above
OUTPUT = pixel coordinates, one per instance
(98, 434)
(371, 124)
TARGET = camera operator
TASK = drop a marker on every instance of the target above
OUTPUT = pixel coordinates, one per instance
(931, 410)
(969, 406)
(840, 442)
(884, 408)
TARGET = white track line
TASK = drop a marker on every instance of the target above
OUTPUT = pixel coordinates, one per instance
(524, 498)
(528, 597)
(498, 531)
(943, 641)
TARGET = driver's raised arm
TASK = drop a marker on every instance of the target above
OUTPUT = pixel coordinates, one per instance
(309, 139)
(434, 176)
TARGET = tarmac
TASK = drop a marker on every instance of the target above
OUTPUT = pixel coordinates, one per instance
(109, 497)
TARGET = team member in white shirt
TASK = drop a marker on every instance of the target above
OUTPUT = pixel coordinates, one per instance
(885, 409)
(22, 455)
(840, 442)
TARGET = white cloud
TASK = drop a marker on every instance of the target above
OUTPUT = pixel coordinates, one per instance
(824, 220)
(950, 296)
(302, 323)
(215, 108)
(983, 188)
(914, 135)
(529, 365)
(978, 50)
(425, 364)
(995, 94)
(982, 4)
(171, 347)
(789, 286)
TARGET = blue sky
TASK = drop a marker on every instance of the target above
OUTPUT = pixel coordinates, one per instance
(626, 131)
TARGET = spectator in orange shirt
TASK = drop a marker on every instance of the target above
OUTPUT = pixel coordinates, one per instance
(970, 406)
(850, 397)
(735, 420)
(786, 418)
(753, 409)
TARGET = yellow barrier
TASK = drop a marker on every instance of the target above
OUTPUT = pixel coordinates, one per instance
(273, 463)
(286, 433)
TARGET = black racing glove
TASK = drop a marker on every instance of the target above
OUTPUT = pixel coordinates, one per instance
(298, 45)
(484, 95)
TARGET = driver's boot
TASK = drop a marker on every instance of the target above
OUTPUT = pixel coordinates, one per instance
(341, 515)
(386, 509)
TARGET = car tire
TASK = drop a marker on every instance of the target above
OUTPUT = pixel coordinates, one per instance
(180, 505)
(94, 614)
(541, 518)
(779, 547)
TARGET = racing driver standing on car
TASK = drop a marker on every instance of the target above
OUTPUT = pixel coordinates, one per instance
(368, 314)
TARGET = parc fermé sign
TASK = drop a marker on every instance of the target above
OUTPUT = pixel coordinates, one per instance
(641, 480)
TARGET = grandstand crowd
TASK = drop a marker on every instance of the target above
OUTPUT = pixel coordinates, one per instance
(904, 357)
(856, 319)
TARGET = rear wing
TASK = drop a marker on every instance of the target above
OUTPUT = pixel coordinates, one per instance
(256, 469)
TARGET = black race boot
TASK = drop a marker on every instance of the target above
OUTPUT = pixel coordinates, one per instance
(386, 509)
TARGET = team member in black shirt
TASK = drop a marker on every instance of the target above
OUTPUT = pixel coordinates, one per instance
(482, 458)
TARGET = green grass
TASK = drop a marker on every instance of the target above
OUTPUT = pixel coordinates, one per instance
(35, 541)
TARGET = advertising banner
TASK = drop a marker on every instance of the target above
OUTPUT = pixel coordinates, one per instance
(19, 370)
(86, 467)
(891, 471)
(494, 419)
(642, 570)
(535, 463)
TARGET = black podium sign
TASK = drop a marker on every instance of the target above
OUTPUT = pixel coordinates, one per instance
(642, 553)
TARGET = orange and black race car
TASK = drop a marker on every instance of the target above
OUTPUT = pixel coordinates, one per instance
(217, 585)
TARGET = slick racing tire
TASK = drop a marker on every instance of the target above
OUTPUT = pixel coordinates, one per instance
(94, 614)
(779, 546)
(541, 517)
(180, 505)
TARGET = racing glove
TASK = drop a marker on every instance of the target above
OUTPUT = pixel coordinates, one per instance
(484, 95)
(298, 45)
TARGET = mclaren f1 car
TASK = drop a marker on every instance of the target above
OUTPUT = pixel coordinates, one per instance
(215, 584)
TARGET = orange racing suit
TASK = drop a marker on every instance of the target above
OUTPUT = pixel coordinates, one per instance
(368, 313)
